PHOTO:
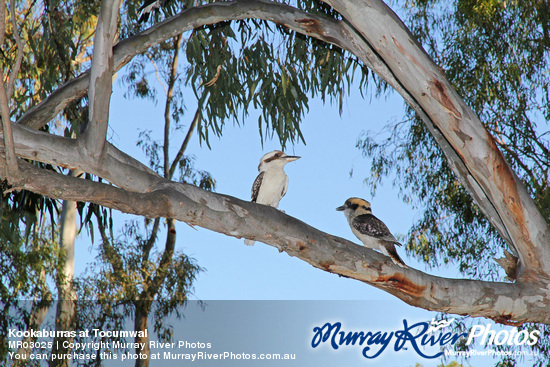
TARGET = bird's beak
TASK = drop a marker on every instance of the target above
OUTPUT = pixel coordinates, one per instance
(291, 158)
(341, 208)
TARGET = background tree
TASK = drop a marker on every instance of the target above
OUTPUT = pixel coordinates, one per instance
(175, 272)
(143, 280)
(47, 47)
(496, 57)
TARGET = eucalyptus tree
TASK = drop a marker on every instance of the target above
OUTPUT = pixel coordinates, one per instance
(49, 47)
(147, 282)
(497, 57)
(349, 35)
(32, 262)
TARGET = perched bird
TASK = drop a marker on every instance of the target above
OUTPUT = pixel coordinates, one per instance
(369, 229)
(271, 184)
(147, 7)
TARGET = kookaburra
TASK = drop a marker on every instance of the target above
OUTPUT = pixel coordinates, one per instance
(369, 229)
(147, 7)
(271, 184)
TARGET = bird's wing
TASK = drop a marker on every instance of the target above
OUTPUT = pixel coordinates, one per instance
(285, 187)
(256, 187)
(370, 225)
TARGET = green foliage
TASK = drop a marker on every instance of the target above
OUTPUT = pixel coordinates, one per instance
(121, 272)
(36, 259)
(29, 261)
(121, 278)
(234, 68)
(280, 70)
(496, 56)
(56, 36)
(495, 53)
(452, 228)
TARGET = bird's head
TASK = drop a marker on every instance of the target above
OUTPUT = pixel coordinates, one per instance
(355, 206)
(275, 158)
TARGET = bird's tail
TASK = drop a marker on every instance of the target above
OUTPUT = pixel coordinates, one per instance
(392, 253)
(249, 242)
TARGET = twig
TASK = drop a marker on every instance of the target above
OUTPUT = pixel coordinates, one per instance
(185, 142)
(19, 58)
(169, 96)
(215, 78)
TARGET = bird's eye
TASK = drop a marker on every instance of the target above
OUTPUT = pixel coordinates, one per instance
(277, 155)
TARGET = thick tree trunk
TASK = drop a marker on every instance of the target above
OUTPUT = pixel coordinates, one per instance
(65, 315)
(140, 324)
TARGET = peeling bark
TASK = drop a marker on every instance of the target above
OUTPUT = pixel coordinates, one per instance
(487, 175)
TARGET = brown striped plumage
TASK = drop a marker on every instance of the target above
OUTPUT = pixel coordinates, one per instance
(369, 229)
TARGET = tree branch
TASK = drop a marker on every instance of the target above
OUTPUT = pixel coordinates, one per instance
(338, 33)
(2, 22)
(9, 146)
(508, 302)
(470, 149)
(186, 140)
(19, 58)
(101, 85)
(169, 95)
(388, 48)
(9, 150)
(116, 166)
(302, 22)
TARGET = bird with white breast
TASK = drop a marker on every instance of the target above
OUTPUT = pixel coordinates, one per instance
(272, 182)
(369, 229)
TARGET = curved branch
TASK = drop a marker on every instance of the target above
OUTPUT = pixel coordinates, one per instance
(504, 302)
(116, 166)
(386, 46)
(313, 25)
(470, 149)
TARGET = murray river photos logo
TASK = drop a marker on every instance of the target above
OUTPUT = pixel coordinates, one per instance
(420, 337)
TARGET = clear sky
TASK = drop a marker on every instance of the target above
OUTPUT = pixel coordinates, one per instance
(318, 183)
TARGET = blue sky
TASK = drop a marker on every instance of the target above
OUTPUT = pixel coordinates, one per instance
(319, 182)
